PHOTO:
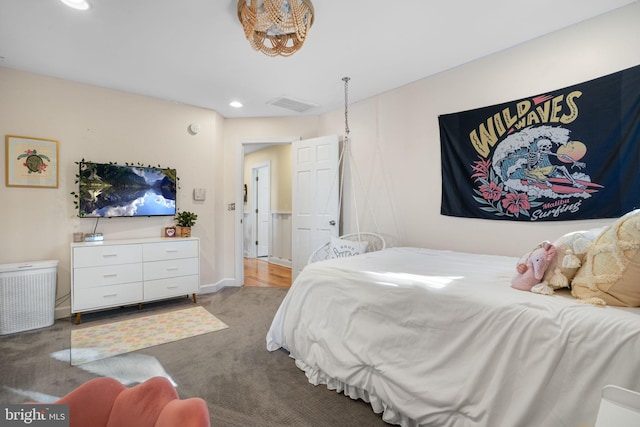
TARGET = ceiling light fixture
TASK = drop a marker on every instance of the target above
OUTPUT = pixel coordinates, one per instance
(276, 27)
(236, 104)
(77, 4)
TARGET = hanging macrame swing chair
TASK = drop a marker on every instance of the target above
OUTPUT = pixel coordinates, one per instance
(370, 241)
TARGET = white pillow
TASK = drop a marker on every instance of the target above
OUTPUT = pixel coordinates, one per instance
(341, 248)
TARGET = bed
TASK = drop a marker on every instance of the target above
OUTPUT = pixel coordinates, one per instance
(439, 338)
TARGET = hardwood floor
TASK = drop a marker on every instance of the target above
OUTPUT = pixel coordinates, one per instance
(259, 272)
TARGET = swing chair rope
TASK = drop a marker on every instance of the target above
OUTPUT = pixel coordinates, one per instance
(346, 148)
(346, 156)
(346, 105)
(374, 241)
(358, 178)
(355, 174)
(341, 157)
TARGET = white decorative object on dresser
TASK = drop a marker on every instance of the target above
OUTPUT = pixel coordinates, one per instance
(122, 272)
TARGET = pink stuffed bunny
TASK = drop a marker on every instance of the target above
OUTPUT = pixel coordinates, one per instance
(530, 271)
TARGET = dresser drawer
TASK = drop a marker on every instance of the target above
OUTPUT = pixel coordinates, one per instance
(124, 272)
(166, 288)
(174, 249)
(171, 268)
(99, 255)
(106, 296)
(90, 277)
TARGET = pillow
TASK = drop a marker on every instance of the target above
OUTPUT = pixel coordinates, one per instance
(571, 249)
(341, 248)
(611, 270)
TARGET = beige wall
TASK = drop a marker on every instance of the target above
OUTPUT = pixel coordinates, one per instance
(395, 149)
(279, 158)
(102, 126)
(396, 142)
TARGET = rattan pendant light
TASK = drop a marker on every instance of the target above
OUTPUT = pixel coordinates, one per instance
(276, 27)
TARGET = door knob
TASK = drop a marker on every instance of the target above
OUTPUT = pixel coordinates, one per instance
(332, 222)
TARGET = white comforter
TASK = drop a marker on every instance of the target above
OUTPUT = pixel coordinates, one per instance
(440, 338)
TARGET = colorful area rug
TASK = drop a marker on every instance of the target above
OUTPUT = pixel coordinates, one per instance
(107, 340)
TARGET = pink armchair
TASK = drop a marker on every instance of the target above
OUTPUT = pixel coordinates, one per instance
(105, 402)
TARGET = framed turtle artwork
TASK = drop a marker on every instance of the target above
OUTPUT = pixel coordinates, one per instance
(31, 162)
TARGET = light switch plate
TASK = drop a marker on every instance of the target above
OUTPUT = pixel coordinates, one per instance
(199, 194)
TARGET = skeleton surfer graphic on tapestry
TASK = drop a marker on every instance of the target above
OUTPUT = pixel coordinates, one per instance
(523, 161)
(539, 168)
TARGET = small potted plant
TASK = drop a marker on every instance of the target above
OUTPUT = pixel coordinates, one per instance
(184, 221)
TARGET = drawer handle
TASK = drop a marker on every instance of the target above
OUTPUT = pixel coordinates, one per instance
(110, 295)
(172, 268)
(173, 287)
(109, 255)
(171, 250)
(111, 275)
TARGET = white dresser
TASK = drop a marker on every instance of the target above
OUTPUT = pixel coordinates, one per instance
(123, 272)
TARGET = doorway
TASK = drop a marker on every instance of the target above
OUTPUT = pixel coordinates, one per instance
(313, 201)
(244, 244)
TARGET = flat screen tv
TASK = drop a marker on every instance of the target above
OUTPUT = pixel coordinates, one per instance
(110, 190)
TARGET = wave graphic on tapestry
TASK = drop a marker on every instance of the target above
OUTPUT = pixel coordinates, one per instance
(524, 174)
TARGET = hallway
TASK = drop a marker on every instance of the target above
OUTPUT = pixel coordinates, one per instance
(259, 272)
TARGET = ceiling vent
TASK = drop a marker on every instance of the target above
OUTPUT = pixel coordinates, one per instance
(292, 104)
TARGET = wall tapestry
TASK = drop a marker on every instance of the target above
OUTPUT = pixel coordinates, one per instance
(568, 154)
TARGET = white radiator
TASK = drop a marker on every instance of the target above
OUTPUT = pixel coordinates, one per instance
(27, 295)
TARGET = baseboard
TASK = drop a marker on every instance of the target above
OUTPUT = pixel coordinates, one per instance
(280, 261)
(215, 287)
(62, 312)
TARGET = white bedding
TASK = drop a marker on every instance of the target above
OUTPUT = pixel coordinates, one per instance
(440, 338)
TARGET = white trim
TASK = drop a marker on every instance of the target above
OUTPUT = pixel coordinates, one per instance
(253, 196)
(62, 312)
(215, 287)
(281, 232)
(280, 261)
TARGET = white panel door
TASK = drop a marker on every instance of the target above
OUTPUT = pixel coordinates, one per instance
(315, 188)
(263, 225)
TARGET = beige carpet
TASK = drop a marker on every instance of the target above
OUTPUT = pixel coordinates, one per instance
(98, 342)
(242, 383)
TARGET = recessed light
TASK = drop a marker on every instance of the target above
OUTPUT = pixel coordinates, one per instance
(77, 4)
(236, 104)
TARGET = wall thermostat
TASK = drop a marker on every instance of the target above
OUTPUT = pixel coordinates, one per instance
(199, 194)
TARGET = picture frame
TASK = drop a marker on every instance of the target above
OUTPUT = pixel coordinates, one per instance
(170, 231)
(31, 162)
